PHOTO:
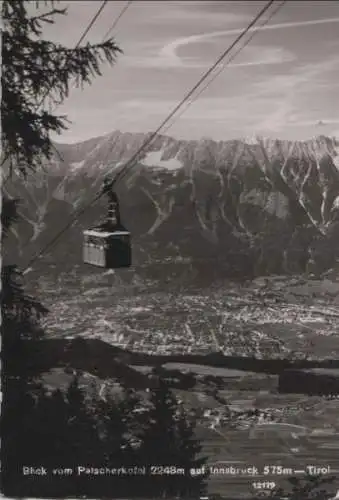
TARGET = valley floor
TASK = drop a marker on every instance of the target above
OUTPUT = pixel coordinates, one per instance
(268, 317)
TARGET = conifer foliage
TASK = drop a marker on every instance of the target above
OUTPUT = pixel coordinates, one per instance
(37, 75)
(171, 448)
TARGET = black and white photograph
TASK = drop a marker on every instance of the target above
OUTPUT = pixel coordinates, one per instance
(170, 249)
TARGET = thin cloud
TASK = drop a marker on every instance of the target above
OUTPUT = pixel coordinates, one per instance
(284, 86)
(170, 50)
(254, 56)
(210, 109)
(300, 79)
(276, 120)
(287, 89)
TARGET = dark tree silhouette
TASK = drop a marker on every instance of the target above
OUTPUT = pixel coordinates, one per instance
(34, 71)
(58, 431)
(21, 316)
(36, 75)
(169, 444)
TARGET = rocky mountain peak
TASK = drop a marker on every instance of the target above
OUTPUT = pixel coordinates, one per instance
(264, 204)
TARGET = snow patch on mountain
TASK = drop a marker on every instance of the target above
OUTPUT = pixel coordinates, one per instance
(153, 159)
(277, 204)
(75, 165)
(336, 153)
(336, 202)
(251, 140)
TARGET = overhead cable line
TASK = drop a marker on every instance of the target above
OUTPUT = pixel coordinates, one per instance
(233, 56)
(113, 26)
(92, 22)
(130, 163)
(115, 22)
(104, 38)
(255, 30)
(84, 34)
(81, 39)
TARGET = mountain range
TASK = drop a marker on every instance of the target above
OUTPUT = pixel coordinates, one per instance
(240, 207)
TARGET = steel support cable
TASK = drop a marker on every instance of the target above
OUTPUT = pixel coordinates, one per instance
(148, 141)
(130, 163)
(233, 56)
(84, 34)
(115, 22)
(92, 22)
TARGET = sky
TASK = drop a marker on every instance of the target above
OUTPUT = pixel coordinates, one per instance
(284, 83)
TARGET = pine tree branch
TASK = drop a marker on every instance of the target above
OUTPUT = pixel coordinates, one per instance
(46, 17)
(14, 300)
(55, 48)
(35, 72)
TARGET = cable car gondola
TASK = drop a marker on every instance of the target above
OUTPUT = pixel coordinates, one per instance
(108, 245)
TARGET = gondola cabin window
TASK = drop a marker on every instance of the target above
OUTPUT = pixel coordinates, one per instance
(107, 249)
